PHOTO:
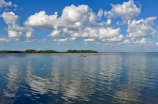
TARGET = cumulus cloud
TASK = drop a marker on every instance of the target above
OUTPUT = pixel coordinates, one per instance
(4, 4)
(127, 41)
(76, 22)
(73, 18)
(80, 22)
(62, 40)
(15, 32)
(116, 39)
(127, 11)
(142, 41)
(10, 18)
(34, 40)
(72, 38)
(98, 34)
(141, 28)
(4, 39)
(8, 39)
(137, 42)
(41, 20)
(100, 14)
(89, 40)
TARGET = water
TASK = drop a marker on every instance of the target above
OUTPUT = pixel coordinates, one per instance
(99, 78)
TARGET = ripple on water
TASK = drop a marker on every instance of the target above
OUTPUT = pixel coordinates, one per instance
(125, 78)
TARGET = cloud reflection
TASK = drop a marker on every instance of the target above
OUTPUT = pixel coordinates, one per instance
(113, 77)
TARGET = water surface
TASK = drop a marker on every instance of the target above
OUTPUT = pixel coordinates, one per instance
(62, 78)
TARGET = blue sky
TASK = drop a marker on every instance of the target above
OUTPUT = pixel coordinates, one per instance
(105, 26)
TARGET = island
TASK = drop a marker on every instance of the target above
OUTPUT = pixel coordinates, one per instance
(40, 51)
(81, 51)
(4, 51)
(48, 51)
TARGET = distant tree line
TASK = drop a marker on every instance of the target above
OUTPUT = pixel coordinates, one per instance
(40, 51)
(10, 51)
(49, 51)
(81, 51)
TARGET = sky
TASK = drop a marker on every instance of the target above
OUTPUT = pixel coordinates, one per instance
(102, 25)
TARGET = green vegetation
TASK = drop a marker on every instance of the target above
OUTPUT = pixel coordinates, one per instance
(40, 51)
(10, 51)
(49, 51)
(81, 51)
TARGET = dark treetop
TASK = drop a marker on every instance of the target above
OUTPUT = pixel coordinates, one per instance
(40, 51)
(81, 51)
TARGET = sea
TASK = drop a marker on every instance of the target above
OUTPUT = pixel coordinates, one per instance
(67, 78)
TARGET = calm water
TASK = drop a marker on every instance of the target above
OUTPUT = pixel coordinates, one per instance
(100, 78)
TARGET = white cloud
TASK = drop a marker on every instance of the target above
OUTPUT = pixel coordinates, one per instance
(100, 14)
(55, 40)
(127, 11)
(8, 39)
(126, 41)
(76, 22)
(116, 39)
(29, 34)
(73, 17)
(4, 39)
(108, 14)
(4, 4)
(72, 39)
(80, 22)
(41, 20)
(15, 32)
(89, 40)
(99, 43)
(34, 40)
(141, 28)
(10, 18)
(62, 40)
(137, 42)
(96, 33)
(142, 41)
(15, 5)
